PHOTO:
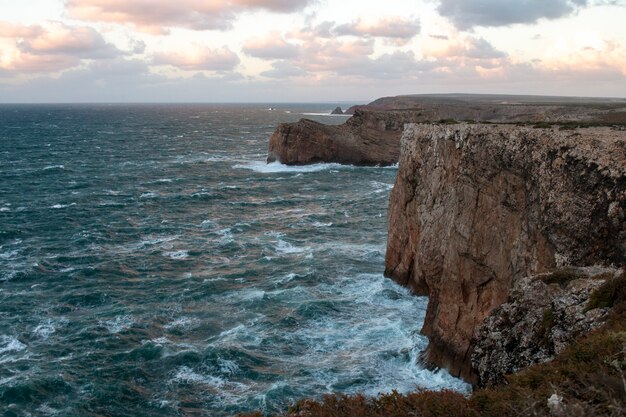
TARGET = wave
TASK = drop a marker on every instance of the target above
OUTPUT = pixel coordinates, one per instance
(10, 344)
(277, 167)
(62, 206)
(326, 114)
(286, 247)
(182, 323)
(179, 254)
(118, 324)
(49, 167)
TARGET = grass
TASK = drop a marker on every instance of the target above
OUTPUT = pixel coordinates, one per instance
(612, 292)
(590, 376)
(562, 276)
(446, 122)
(572, 125)
(545, 328)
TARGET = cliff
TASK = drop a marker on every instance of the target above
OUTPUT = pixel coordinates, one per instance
(475, 208)
(543, 315)
(372, 135)
(367, 138)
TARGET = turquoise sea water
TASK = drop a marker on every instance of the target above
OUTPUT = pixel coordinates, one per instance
(152, 264)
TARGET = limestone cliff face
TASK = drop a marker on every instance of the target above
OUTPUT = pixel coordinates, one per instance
(367, 138)
(542, 316)
(477, 207)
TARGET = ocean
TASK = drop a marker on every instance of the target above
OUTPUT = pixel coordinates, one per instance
(152, 264)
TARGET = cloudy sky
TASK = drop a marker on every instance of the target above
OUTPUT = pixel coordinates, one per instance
(307, 50)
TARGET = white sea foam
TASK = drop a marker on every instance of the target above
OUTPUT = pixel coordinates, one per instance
(320, 224)
(381, 187)
(226, 236)
(10, 344)
(8, 255)
(148, 195)
(207, 223)
(2, 209)
(46, 168)
(119, 323)
(286, 247)
(326, 114)
(226, 392)
(62, 206)
(277, 167)
(249, 294)
(46, 410)
(161, 341)
(44, 331)
(156, 240)
(183, 323)
(179, 254)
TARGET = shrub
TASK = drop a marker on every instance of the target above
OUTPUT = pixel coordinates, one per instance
(609, 294)
(562, 276)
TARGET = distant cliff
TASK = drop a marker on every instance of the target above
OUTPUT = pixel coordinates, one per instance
(372, 135)
(367, 138)
(475, 208)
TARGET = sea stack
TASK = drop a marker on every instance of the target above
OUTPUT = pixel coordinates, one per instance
(475, 208)
(337, 110)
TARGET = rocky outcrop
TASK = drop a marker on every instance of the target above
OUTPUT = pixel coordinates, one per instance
(367, 138)
(337, 110)
(541, 317)
(475, 208)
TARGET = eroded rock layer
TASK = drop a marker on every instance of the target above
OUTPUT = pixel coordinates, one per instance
(477, 207)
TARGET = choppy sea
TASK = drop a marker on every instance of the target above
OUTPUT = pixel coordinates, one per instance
(152, 264)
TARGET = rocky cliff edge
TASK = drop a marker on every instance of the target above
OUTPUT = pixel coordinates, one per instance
(475, 208)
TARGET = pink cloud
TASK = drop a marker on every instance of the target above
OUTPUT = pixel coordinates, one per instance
(199, 59)
(13, 30)
(272, 46)
(156, 16)
(461, 47)
(29, 63)
(50, 47)
(60, 39)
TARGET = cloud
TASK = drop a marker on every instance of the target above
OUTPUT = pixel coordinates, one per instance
(389, 27)
(155, 16)
(465, 14)
(272, 46)
(284, 69)
(461, 47)
(200, 58)
(60, 39)
(14, 30)
(333, 54)
(51, 47)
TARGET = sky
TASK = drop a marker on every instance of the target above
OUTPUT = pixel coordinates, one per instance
(307, 50)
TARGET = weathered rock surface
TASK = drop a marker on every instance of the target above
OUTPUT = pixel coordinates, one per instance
(367, 138)
(539, 320)
(475, 208)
